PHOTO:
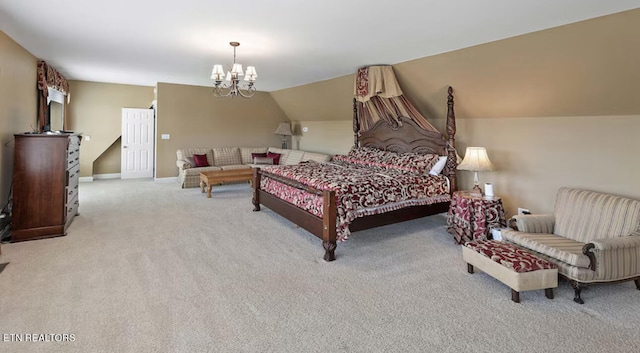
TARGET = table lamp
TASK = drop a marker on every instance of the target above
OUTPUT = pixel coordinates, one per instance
(284, 130)
(476, 160)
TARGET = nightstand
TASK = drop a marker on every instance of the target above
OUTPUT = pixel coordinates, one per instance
(471, 217)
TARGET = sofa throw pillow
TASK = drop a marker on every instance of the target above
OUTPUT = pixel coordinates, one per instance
(200, 160)
(190, 161)
(275, 156)
(263, 160)
(245, 153)
(254, 155)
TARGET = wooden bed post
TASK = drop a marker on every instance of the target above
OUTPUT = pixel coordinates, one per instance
(256, 187)
(356, 124)
(329, 225)
(452, 157)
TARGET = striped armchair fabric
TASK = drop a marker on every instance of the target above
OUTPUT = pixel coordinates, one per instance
(593, 237)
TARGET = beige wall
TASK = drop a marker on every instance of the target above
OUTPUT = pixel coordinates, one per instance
(193, 117)
(109, 161)
(96, 110)
(318, 101)
(332, 137)
(18, 103)
(533, 157)
(555, 107)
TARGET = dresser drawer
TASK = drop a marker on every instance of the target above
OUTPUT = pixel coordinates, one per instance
(72, 210)
(72, 192)
(73, 155)
(73, 175)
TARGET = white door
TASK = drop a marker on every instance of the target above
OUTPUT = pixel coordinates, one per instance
(137, 143)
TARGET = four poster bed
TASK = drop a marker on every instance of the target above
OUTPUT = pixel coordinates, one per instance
(383, 180)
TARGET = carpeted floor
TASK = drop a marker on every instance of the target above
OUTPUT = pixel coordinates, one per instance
(150, 267)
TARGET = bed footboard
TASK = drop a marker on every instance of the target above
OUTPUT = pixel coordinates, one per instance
(323, 228)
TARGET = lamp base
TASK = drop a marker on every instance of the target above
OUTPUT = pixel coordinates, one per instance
(477, 188)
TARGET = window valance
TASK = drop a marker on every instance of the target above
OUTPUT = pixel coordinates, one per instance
(48, 77)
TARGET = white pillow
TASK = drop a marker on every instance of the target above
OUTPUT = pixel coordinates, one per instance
(190, 161)
(439, 166)
(263, 160)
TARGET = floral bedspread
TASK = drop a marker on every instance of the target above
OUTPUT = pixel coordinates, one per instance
(360, 190)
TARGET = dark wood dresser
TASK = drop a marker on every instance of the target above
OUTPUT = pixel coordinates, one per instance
(46, 170)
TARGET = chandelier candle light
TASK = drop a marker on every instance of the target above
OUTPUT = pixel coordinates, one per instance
(476, 160)
(233, 87)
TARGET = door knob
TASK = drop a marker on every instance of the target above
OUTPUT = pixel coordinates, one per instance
(124, 146)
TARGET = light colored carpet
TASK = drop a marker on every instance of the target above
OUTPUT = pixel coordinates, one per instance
(149, 267)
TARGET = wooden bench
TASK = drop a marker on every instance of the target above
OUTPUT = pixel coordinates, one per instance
(511, 265)
(208, 179)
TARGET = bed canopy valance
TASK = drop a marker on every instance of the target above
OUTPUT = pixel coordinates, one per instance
(379, 97)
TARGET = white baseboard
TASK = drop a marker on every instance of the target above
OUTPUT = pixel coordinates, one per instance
(106, 176)
(117, 176)
(166, 180)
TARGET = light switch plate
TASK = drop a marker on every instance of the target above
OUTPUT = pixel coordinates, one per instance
(166, 137)
(305, 129)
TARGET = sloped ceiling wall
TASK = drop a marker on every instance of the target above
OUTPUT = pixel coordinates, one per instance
(583, 69)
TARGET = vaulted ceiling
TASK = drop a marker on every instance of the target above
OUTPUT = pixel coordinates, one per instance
(290, 42)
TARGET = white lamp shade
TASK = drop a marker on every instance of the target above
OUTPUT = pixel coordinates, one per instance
(476, 159)
(237, 69)
(283, 129)
(228, 78)
(251, 71)
(217, 73)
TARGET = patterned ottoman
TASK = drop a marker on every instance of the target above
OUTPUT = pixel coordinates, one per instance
(512, 266)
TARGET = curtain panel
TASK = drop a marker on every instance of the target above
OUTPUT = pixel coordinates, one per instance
(379, 97)
(48, 77)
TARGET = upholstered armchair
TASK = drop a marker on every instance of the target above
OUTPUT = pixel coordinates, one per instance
(591, 236)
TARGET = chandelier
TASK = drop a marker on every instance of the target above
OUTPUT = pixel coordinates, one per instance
(229, 84)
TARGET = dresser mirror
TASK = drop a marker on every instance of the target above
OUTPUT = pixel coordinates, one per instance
(55, 111)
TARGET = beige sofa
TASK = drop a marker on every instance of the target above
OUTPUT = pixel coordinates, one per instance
(225, 158)
(591, 236)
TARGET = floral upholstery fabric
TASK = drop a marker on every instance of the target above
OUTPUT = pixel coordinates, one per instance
(510, 256)
(410, 162)
(472, 218)
(360, 190)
